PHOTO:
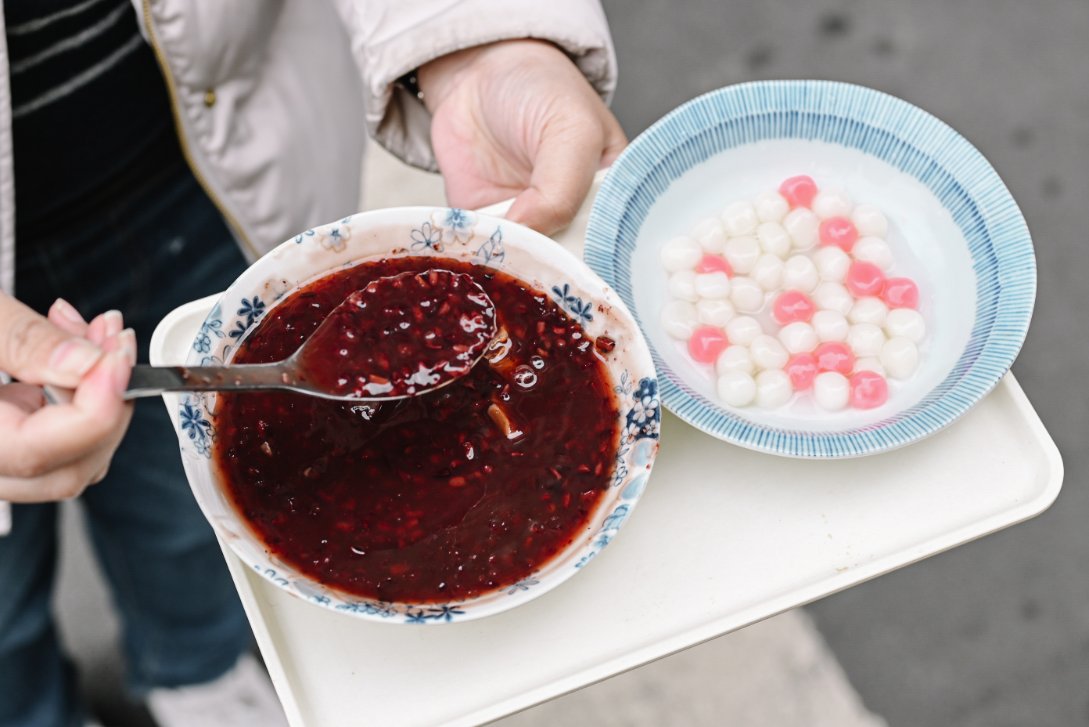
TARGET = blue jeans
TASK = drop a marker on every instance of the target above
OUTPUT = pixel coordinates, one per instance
(154, 244)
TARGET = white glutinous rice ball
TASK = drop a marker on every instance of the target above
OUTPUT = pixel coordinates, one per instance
(681, 253)
(798, 337)
(774, 239)
(710, 234)
(767, 352)
(873, 250)
(799, 273)
(712, 285)
(736, 388)
(773, 389)
(768, 272)
(832, 263)
(770, 207)
(679, 319)
(742, 253)
(868, 310)
(746, 295)
(870, 221)
(869, 363)
(739, 218)
(866, 339)
(735, 358)
(715, 312)
(682, 285)
(905, 323)
(830, 325)
(803, 227)
(833, 296)
(832, 203)
(831, 390)
(900, 357)
(743, 330)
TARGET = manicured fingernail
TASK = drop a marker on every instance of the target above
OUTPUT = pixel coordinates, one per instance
(114, 322)
(127, 340)
(63, 307)
(73, 358)
(120, 370)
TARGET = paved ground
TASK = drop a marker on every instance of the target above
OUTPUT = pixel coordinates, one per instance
(995, 633)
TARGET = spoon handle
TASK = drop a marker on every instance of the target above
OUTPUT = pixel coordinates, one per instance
(154, 380)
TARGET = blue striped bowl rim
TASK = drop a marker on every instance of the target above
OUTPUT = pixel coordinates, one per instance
(886, 127)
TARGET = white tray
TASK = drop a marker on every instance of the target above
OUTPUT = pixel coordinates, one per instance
(723, 537)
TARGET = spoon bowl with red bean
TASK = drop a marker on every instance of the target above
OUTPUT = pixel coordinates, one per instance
(400, 336)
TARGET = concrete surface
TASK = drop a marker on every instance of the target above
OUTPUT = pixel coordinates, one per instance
(778, 673)
(994, 633)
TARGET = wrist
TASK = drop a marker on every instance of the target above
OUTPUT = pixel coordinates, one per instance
(439, 77)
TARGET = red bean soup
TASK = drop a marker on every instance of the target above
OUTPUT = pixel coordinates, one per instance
(400, 335)
(436, 498)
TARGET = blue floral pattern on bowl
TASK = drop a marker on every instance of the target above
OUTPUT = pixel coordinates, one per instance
(491, 250)
(579, 309)
(249, 312)
(193, 419)
(458, 225)
(463, 235)
(211, 329)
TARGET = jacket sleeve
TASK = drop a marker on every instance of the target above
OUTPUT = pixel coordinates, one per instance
(392, 37)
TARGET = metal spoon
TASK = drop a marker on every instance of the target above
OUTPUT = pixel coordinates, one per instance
(305, 371)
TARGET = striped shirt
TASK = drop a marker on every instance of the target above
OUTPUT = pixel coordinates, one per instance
(88, 102)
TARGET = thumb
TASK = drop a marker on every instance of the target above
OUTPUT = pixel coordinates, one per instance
(563, 170)
(36, 351)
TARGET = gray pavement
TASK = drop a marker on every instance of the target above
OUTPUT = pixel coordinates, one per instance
(997, 632)
(994, 633)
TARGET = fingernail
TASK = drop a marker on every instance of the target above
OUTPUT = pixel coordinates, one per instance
(67, 310)
(73, 358)
(114, 322)
(127, 339)
(120, 370)
(96, 330)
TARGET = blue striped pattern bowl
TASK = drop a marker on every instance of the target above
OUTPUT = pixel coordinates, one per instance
(956, 230)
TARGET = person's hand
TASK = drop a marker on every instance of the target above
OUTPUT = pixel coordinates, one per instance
(52, 452)
(518, 119)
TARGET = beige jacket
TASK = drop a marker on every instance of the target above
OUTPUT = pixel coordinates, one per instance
(272, 98)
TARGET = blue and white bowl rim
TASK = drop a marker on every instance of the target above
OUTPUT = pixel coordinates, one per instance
(876, 123)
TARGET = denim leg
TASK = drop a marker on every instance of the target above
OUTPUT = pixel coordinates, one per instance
(182, 620)
(37, 683)
(158, 245)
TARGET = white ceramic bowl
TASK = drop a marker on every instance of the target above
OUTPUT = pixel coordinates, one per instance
(955, 229)
(452, 233)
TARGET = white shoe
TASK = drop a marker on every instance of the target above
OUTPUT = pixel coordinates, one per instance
(240, 698)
